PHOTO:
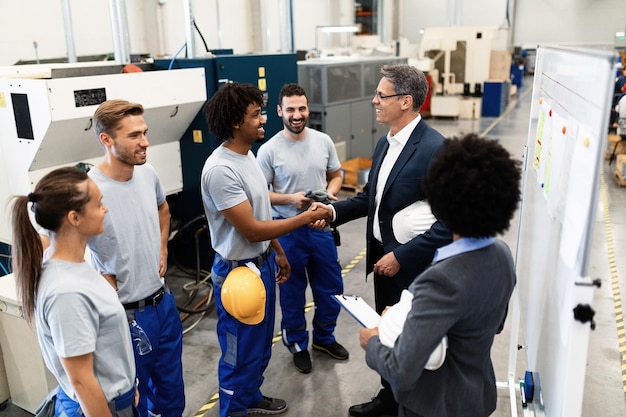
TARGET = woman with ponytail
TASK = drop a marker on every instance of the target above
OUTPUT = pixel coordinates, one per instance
(81, 325)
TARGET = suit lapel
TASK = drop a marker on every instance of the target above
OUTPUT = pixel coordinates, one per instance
(376, 163)
(407, 152)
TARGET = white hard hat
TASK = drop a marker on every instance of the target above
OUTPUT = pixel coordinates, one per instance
(411, 221)
(392, 322)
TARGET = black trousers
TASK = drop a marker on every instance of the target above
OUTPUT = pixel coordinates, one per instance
(387, 292)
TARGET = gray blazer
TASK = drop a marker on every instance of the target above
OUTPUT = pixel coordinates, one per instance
(465, 297)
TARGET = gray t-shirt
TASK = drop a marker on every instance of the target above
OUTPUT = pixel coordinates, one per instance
(130, 247)
(78, 312)
(229, 179)
(291, 166)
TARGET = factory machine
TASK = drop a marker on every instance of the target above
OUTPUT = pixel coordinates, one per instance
(460, 60)
(46, 122)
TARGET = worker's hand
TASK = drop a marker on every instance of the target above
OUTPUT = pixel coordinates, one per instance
(365, 335)
(299, 201)
(318, 224)
(387, 265)
(322, 212)
(284, 269)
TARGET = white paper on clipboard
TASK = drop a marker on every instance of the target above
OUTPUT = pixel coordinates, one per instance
(359, 309)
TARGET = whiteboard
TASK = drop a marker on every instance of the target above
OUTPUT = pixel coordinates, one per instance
(572, 92)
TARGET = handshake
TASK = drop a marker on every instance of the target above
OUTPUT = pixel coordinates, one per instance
(320, 208)
(321, 215)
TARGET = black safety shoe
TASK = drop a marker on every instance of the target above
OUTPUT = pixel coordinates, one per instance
(374, 408)
(333, 349)
(269, 406)
(302, 361)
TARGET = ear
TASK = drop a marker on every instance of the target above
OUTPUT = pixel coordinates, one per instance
(279, 110)
(105, 139)
(407, 102)
(73, 218)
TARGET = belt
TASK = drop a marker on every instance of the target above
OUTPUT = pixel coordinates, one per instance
(153, 300)
(258, 261)
(123, 401)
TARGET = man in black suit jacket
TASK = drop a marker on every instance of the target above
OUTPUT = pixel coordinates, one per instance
(473, 187)
(400, 161)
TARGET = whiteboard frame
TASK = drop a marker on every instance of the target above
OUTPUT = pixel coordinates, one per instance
(574, 81)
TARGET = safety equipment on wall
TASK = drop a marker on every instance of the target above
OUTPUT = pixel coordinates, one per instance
(411, 221)
(243, 295)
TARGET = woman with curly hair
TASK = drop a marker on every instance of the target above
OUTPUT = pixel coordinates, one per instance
(473, 187)
(81, 324)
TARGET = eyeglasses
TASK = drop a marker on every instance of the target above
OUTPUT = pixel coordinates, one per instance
(381, 96)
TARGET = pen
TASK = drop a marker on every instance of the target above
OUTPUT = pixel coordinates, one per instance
(521, 390)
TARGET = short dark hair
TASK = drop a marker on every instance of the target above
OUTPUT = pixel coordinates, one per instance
(473, 186)
(228, 107)
(406, 79)
(290, 90)
(109, 114)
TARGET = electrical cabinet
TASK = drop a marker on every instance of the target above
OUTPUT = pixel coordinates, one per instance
(332, 120)
(495, 98)
(362, 119)
(348, 123)
(340, 91)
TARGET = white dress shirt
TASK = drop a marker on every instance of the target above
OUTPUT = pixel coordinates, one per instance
(396, 144)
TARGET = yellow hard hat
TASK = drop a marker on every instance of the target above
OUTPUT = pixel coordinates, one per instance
(243, 295)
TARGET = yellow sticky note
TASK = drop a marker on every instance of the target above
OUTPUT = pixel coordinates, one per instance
(197, 136)
(2, 102)
(261, 72)
(262, 85)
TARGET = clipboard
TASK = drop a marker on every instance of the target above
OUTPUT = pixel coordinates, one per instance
(359, 309)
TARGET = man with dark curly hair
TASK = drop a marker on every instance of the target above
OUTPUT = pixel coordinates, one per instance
(473, 187)
(237, 206)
